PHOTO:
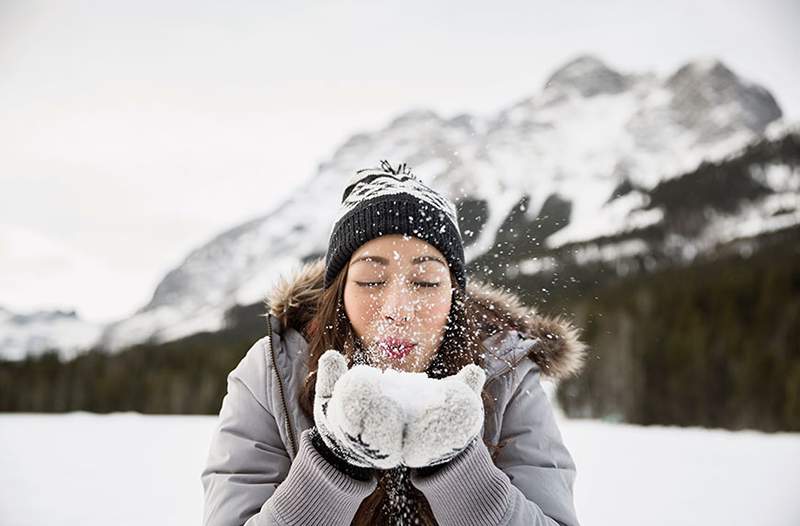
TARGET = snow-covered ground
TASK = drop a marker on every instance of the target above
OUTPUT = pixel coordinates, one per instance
(129, 469)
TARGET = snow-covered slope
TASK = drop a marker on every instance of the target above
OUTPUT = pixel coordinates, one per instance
(588, 131)
(34, 333)
(626, 475)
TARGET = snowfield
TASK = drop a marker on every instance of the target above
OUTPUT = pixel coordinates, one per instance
(129, 469)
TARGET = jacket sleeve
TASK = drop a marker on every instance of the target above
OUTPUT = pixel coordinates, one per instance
(529, 483)
(249, 478)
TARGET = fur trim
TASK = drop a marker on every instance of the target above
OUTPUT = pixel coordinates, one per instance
(558, 352)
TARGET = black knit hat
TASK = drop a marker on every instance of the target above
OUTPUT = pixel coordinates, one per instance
(385, 200)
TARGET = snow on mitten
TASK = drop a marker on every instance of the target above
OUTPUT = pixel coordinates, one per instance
(355, 419)
(449, 422)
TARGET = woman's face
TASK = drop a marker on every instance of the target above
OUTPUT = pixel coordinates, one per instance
(397, 297)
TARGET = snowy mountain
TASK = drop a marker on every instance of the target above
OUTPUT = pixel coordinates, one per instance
(34, 333)
(729, 206)
(584, 156)
(588, 131)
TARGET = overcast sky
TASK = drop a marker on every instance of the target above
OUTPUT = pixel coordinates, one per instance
(133, 131)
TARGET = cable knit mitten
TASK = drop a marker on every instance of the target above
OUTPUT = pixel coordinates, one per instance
(443, 428)
(355, 419)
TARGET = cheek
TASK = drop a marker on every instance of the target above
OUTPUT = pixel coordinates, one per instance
(360, 309)
(434, 312)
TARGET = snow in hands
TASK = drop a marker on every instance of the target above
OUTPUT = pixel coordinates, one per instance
(388, 418)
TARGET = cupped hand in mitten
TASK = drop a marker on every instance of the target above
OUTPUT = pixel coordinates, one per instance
(440, 430)
(355, 419)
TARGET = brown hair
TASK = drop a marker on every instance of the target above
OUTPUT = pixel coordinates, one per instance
(329, 328)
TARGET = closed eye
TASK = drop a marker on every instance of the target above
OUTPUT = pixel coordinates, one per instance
(423, 284)
(369, 283)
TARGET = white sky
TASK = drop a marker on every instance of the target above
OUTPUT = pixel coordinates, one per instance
(132, 132)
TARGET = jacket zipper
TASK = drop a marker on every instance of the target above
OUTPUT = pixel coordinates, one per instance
(289, 429)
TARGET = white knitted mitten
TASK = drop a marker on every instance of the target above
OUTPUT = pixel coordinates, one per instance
(443, 428)
(355, 419)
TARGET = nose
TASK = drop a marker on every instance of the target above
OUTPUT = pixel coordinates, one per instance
(398, 304)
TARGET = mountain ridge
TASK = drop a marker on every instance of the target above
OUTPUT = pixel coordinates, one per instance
(589, 134)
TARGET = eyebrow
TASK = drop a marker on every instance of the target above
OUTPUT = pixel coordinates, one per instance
(383, 261)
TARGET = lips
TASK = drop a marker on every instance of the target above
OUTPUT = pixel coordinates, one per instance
(396, 347)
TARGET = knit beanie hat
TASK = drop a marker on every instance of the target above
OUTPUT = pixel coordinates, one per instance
(385, 200)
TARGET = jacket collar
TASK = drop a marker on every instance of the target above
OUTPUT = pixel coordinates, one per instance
(558, 350)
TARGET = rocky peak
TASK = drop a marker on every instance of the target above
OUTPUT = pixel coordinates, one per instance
(703, 89)
(415, 118)
(587, 75)
(710, 72)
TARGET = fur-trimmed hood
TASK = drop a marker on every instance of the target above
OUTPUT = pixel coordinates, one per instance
(558, 350)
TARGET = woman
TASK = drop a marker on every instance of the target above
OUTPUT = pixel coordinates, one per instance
(392, 294)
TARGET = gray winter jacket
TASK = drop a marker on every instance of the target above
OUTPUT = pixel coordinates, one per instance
(263, 470)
